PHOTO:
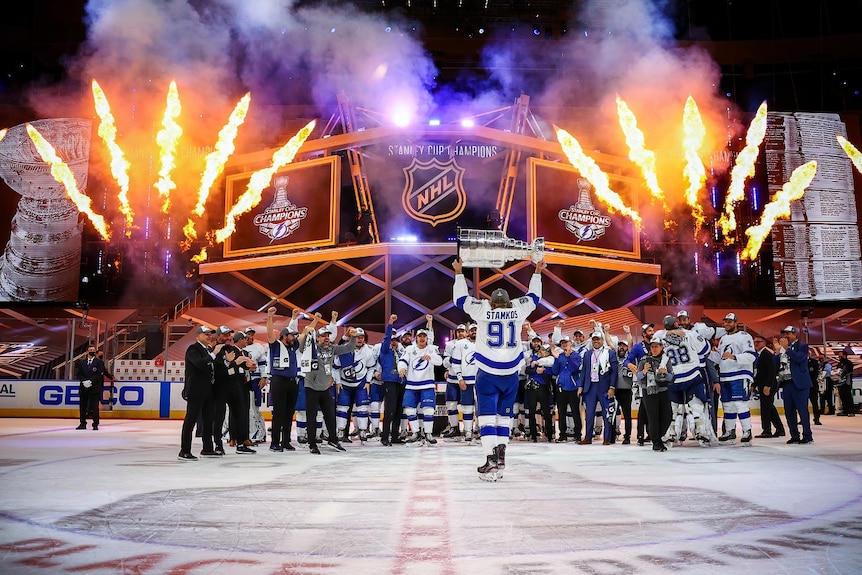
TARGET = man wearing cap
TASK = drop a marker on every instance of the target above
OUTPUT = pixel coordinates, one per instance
(223, 337)
(654, 375)
(466, 368)
(624, 390)
(736, 373)
(500, 357)
(284, 383)
(764, 382)
(844, 382)
(637, 352)
(793, 378)
(567, 368)
(198, 393)
(316, 365)
(387, 372)
(353, 371)
(304, 362)
(416, 366)
(598, 381)
(233, 390)
(686, 352)
(453, 390)
(258, 379)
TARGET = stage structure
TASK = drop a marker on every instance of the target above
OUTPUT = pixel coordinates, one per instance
(389, 250)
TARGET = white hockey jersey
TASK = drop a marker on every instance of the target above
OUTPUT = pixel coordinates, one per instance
(498, 340)
(355, 368)
(464, 360)
(686, 354)
(741, 345)
(420, 372)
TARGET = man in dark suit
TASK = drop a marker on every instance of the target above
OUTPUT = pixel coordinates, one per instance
(91, 374)
(198, 393)
(792, 362)
(598, 380)
(765, 381)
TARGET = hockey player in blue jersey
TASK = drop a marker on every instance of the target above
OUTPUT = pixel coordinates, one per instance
(499, 354)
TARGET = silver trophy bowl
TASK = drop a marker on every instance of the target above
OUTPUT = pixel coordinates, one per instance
(492, 249)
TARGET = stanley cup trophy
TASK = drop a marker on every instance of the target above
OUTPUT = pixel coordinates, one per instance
(492, 249)
(42, 260)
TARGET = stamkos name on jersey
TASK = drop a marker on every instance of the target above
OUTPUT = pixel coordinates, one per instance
(501, 314)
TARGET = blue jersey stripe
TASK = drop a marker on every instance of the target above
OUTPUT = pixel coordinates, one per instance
(498, 364)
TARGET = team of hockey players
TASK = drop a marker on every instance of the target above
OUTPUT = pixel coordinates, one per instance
(559, 376)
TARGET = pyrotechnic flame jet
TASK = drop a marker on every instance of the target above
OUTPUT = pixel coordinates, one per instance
(852, 152)
(214, 164)
(201, 257)
(594, 174)
(743, 169)
(779, 207)
(694, 133)
(61, 172)
(3, 133)
(261, 179)
(167, 139)
(119, 165)
(645, 159)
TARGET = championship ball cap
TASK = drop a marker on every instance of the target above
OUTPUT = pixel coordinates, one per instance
(286, 331)
(682, 313)
(537, 338)
(731, 317)
(669, 322)
(622, 342)
(472, 326)
(223, 329)
(359, 331)
(239, 335)
(203, 329)
(421, 331)
(577, 332)
(656, 339)
(597, 335)
(565, 338)
(500, 295)
(646, 326)
(789, 329)
(250, 329)
(460, 327)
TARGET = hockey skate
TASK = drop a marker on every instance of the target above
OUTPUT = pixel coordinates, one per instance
(302, 439)
(414, 438)
(500, 456)
(702, 441)
(452, 433)
(746, 438)
(363, 436)
(429, 439)
(374, 434)
(489, 471)
(728, 437)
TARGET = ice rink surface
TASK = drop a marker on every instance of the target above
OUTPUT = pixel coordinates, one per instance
(117, 500)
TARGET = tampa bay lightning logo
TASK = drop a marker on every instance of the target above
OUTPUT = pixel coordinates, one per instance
(420, 364)
(471, 359)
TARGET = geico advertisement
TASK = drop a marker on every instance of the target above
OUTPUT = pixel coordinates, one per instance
(133, 399)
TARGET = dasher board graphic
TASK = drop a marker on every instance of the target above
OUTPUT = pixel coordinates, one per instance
(434, 191)
(299, 209)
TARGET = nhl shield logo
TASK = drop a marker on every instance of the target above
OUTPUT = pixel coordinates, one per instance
(434, 191)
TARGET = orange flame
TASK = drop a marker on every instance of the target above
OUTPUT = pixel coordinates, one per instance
(694, 132)
(216, 159)
(852, 152)
(743, 169)
(61, 172)
(119, 165)
(190, 235)
(3, 133)
(167, 139)
(779, 207)
(261, 179)
(201, 257)
(645, 159)
(594, 174)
